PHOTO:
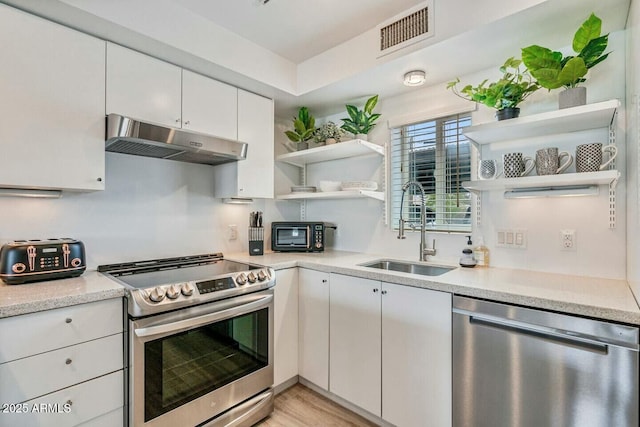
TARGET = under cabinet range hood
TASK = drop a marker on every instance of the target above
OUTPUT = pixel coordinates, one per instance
(131, 136)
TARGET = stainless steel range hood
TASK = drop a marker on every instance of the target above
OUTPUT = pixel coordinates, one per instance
(132, 136)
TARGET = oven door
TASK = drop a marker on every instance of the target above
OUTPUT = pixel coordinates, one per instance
(291, 238)
(192, 364)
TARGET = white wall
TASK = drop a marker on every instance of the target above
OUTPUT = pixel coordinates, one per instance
(633, 151)
(151, 208)
(600, 250)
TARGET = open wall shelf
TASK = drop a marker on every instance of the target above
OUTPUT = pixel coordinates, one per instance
(584, 117)
(340, 150)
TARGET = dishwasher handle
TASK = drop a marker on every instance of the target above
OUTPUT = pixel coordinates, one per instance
(542, 333)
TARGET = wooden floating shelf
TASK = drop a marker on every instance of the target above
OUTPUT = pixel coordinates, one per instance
(584, 117)
(355, 194)
(339, 150)
(606, 177)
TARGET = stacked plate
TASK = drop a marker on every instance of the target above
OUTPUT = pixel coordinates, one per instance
(303, 189)
(359, 185)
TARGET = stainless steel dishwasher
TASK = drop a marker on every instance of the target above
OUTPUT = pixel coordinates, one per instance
(520, 367)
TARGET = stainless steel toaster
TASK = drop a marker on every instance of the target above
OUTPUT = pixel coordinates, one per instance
(23, 261)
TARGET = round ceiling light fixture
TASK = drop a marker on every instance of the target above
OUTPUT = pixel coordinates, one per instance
(414, 78)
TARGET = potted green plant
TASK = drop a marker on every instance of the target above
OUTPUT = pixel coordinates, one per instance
(360, 122)
(328, 133)
(553, 70)
(505, 94)
(304, 127)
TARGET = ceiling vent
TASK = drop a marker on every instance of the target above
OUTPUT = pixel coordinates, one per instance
(403, 30)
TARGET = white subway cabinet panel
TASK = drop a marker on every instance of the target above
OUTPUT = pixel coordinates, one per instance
(52, 109)
(285, 326)
(354, 345)
(416, 356)
(143, 87)
(253, 177)
(313, 329)
(209, 106)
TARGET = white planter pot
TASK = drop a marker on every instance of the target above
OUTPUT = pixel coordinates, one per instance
(362, 136)
(572, 97)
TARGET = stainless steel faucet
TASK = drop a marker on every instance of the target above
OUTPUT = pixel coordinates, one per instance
(424, 250)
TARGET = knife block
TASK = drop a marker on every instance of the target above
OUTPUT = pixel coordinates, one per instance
(256, 240)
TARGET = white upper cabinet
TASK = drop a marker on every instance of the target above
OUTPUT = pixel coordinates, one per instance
(252, 177)
(143, 87)
(52, 90)
(209, 106)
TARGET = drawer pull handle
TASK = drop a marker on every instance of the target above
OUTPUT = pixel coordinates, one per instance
(68, 320)
(68, 361)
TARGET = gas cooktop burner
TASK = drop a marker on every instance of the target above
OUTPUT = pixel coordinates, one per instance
(159, 285)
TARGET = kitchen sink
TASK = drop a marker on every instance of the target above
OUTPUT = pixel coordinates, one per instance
(408, 267)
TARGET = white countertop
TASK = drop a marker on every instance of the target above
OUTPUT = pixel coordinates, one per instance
(585, 296)
(40, 296)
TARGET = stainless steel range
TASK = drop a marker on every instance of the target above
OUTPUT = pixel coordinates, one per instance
(200, 340)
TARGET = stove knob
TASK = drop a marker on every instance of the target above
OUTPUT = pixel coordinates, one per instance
(173, 292)
(252, 277)
(262, 276)
(187, 289)
(157, 294)
(241, 279)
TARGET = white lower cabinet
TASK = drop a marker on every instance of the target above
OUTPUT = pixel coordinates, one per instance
(63, 367)
(390, 350)
(354, 346)
(285, 326)
(416, 356)
(313, 327)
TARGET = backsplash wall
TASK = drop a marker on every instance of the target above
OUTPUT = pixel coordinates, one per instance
(151, 208)
(601, 251)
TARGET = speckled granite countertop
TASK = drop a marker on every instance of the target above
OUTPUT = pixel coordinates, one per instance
(585, 296)
(40, 296)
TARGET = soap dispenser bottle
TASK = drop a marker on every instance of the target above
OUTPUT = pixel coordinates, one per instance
(467, 259)
(481, 253)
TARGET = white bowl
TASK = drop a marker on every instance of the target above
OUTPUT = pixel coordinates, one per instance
(326, 186)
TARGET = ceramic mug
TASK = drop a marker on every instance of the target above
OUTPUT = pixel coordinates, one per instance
(515, 165)
(548, 161)
(488, 169)
(589, 157)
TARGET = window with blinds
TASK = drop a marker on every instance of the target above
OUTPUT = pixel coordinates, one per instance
(437, 155)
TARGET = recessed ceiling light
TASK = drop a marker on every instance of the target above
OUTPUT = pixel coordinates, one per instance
(414, 78)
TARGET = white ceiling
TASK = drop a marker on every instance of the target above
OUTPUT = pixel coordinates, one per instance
(298, 29)
(301, 31)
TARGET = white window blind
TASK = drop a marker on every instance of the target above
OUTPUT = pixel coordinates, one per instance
(437, 155)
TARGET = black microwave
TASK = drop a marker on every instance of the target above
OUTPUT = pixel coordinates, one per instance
(299, 236)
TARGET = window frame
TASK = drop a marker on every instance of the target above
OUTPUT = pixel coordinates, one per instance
(440, 224)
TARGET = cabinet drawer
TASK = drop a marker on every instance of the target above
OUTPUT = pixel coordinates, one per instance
(114, 418)
(34, 376)
(71, 406)
(30, 334)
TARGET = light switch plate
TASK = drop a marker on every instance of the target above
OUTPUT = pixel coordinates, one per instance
(515, 238)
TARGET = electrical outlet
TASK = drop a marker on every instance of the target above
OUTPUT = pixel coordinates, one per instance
(568, 240)
(233, 232)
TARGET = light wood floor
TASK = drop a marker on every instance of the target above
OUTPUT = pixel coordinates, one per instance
(300, 406)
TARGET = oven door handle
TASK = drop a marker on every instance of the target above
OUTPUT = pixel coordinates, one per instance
(186, 324)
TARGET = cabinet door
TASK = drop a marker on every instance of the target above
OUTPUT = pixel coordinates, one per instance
(143, 87)
(313, 327)
(252, 177)
(416, 356)
(285, 319)
(354, 347)
(209, 106)
(52, 109)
